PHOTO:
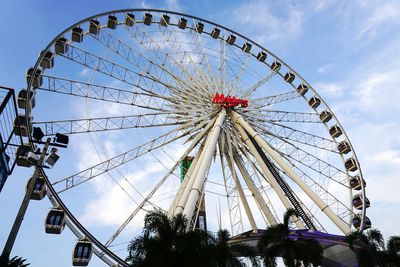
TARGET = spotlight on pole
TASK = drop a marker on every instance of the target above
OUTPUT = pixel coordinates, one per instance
(62, 139)
(52, 158)
(37, 133)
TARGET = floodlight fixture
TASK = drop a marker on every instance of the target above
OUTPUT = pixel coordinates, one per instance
(37, 133)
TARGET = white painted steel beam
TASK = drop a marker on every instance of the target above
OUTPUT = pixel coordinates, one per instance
(322, 205)
(204, 165)
(271, 179)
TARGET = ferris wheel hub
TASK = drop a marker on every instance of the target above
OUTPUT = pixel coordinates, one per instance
(229, 101)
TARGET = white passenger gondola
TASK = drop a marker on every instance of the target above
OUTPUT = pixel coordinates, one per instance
(164, 20)
(302, 89)
(129, 19)
(261, 56)
(246, 47)
(344, 147)
(94, 27)
(358, 202)
(77, 35)
(22, 125)
(355, 183)
(37, 79)
(215, 33)
(39, 190)
(289, 77)
(276, 66)
(231, 39)
(182, 23)
(61, 46)
(112, 22)
(48, 60)
(335, 131)
(351, 165)
(55, 221)
(82, 252)
(325, 116)
(23, 99)
(199, 27)
(147, 19)
(314, 102)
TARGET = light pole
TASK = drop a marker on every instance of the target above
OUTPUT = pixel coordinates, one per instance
(25, 202)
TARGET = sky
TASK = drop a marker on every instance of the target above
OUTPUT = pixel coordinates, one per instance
(348, 51)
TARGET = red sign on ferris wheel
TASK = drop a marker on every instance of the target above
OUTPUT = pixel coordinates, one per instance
(229, 101)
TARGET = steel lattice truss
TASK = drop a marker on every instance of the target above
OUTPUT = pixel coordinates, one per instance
(137, 99)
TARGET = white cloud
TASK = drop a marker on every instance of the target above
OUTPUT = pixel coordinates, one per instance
(332, 90)
(265, 24)
(380, 16)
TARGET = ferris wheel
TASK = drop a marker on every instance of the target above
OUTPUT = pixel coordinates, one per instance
(164, 110)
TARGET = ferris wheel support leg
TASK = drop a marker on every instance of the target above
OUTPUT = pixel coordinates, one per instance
(189, 176)
(272, 181)
(239, 187)
(256, 194)
(184, 183)
(322, 205)
(204, 164)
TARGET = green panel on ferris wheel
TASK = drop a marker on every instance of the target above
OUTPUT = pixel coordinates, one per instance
(185, 165)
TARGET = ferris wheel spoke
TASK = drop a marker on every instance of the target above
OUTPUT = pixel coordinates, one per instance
(222, 67)
(139, 60)
(239, 74)
(261, 203)
(107, 123)
(262, 115)
(121, 159)
(199, 47)
(159, 184)
(250, 170)
(289, 133)
(283, 192)
(103, 93)
(235, 213)
(343, 226)
(310, 161)
(189, 55)
(263, 102)
(231, 164)
(163, 57)
(321, 189)
(145, 82)
(249, 92)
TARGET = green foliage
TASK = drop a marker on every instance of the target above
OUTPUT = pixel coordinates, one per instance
(370, 249)
(166, 242)
(276, 242)
(14, 262)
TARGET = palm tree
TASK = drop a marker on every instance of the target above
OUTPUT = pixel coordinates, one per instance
(276, 242)
(165, 242)
(370, 249)
(226, 255)
(391, 257)
(14, 262)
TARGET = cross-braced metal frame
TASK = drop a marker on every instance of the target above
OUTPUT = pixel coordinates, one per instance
(139, 90)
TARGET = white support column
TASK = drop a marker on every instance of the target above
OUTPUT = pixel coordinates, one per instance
(239, 186)
(187, 185)
(322, 205)
(203, 165)
(271, 179)
(256, 194)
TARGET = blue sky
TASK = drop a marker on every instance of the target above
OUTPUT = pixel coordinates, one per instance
(348, 50)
